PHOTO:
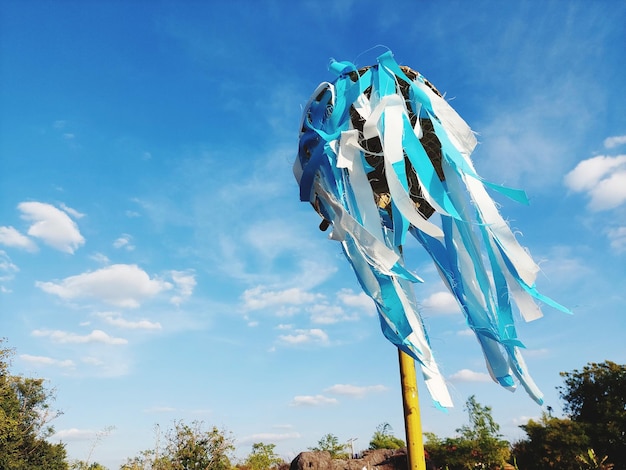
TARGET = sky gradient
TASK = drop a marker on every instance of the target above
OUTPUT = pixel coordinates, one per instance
(156, 263)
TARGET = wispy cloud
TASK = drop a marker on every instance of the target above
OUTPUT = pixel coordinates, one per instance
(615, 141)
(466, 375)
(96, 336)
(73, 212)
(269, 437)
(100, 258)
(259, 297)
(115, 319)
(543, 352)
(355, 390)
(325, 314)
(361, 300)
(47, 361)
(9, 236)
(300, 337)
(617, 237)
(125, 242)
(313, 400)
(184, 282)
(52, 226)
(7, 267)
(122, 285)
(520, 420)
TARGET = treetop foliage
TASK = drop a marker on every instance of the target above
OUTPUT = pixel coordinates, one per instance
(478, 444)
(330, 443)
(593, 434)
(262, 457)
(187, 446)
(595, 398)
(25, 414)
(383, 438)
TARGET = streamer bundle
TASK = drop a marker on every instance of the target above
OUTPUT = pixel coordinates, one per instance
(382, 155)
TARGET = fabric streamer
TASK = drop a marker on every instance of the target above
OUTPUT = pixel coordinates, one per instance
(382, 155)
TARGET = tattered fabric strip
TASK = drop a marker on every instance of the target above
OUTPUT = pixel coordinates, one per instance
(362, 181)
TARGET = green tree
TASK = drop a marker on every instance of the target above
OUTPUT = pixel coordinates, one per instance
(262, 457)
(478, 445)
(82, 465)
(187, 446)
(383, 438)
(595, 397)
(25, 414)
(552, 444)
(330, 443)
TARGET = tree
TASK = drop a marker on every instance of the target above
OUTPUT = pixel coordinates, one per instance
(484, 432)
(595, 397)
(383, 438)
(25, 414)
(83, 465)
(187, 446)
(552, 444)
(329, 443)
(478, 445)
(262, 457)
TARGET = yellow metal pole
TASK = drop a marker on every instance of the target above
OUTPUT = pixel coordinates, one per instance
(412, 421)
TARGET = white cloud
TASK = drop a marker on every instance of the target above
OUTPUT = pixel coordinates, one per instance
(92, 361)
(520, 155)
(603, 178)
(258, 298)
(543, 352)
(520, 420)
(124, 242)
(96, 336)
(75, 434)
(122, 285)
(617, 237)
(73, 212)
(314, 335)
(313, 400)
(442, 302)
(361, 300)
(53, 226)
(270, 238)
(7, 267)
(269, 437)
(185, 282)
(614, 141)
(9, 236)
(324, 314)
(354, 390)
(47, 361)
(466, 375)
(610, 192)
(466, 332)
(116, 319)
(100, 258)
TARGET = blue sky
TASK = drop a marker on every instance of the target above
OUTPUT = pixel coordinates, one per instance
(156, 263)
